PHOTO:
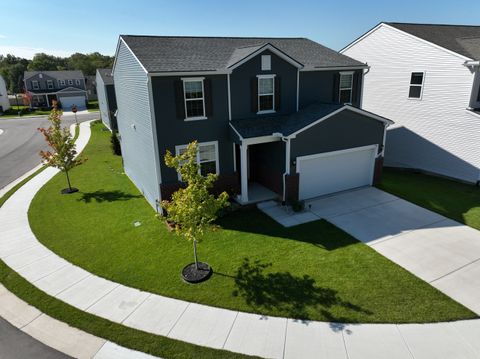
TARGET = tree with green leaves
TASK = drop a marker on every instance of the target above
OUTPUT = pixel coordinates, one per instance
(63, 153)
(193, 209)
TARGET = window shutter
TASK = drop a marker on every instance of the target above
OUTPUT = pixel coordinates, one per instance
(179, 99)
(336, 88)
(207, 87)
(356, 88)
(277, 93)
(254, 93)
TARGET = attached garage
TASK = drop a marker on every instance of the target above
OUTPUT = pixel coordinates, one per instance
(68, 102)
(329, 172)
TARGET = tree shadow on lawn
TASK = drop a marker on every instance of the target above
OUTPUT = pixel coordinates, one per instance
(107, 196)
(321, 234)
(288, 294)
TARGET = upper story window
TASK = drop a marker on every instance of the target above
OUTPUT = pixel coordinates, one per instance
(35, 85)
(61, 82)
(346, 87)
(416, 85)
(207, 157)
(49, 84)
(70, 82)
(194, 98)
(266, 62)
(77, 82)
(266, 93)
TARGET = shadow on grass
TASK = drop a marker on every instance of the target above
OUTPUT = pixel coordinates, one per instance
(292, 295)
(107, 196)
(321, 233)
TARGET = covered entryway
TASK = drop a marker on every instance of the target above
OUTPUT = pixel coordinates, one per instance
(336, 171)
(68, 102)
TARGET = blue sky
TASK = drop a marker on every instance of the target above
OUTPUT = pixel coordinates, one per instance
(63, 27)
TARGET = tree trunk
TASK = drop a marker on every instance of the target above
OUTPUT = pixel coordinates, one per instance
(68, 180)
(195, 253)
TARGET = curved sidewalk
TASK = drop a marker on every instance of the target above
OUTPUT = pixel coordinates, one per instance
(246, 333)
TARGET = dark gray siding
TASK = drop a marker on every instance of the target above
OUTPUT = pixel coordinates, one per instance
(240, 85)
(112, 105)
(135, 124)
(321, 86)
(345, 130)
(56, 86)
(173, 131)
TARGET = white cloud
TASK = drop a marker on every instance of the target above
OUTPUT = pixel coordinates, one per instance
(3, 36)
(29, 52)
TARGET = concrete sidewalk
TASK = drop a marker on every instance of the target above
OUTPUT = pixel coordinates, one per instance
(265, 336)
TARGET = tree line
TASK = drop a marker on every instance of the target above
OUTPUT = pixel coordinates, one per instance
(12, 67)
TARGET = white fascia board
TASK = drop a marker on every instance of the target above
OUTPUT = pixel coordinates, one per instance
(235, 130)
(271, 48)
(190, 73)
(335, 68)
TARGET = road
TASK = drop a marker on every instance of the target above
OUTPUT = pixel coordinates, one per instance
(20, 143)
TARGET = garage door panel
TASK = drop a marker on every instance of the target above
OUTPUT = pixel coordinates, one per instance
(335, 171)
(68, 102)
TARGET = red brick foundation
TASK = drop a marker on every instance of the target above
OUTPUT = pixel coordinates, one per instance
(377, 172)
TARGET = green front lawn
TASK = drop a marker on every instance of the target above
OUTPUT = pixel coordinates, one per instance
(26, 112)
(452, 199)
(92, 106)
(313, 271)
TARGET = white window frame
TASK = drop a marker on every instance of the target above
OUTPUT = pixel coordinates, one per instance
(259, 77)
(77, 82)
(345, 73)
(416, 85)
(61, 82)
(70, 82)
(200, 144)
(185, 99)
(266, 62)
(35, 85)
(50, 84)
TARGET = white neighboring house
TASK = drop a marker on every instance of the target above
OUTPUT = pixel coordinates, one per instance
(4, 102)
(426, 78)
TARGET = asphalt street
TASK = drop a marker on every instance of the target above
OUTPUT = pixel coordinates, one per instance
(20, 143)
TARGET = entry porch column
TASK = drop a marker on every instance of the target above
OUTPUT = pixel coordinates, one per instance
(244, 173)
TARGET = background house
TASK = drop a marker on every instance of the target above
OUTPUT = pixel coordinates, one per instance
(91, 86)
(4, 102)
(67, 87)
(426, 78)
(271, 115)
(107, 101)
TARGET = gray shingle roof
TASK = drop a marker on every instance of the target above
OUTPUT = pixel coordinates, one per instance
(286, 124)
(169, 54)
(462, 39)
(59, 75)
(106, 76)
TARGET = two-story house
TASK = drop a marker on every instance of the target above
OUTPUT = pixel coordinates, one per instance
(66, 87)
(426, 78)
(274, 117)
(4, 102)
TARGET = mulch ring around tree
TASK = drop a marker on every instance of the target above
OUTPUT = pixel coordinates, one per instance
(191, 274)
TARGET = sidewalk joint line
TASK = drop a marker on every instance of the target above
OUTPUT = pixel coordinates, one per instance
(230, 330)
(137, 307)
(404, 341)
(178, 319)
(285, 338)
(455, 270)
(103, 296)
(71, 285)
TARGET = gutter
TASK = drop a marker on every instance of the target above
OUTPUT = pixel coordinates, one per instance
(287, 164)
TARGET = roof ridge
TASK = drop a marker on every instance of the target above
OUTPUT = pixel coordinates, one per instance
(216, 37)
(428, 24)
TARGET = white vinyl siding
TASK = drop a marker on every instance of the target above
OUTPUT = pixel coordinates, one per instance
(436, 134)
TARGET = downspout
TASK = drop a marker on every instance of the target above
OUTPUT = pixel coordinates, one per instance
(287, 167)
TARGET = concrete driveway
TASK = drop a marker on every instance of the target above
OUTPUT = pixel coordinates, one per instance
(441, 251)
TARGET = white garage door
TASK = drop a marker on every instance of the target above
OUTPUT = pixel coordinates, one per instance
(331, 172)
(68, 102)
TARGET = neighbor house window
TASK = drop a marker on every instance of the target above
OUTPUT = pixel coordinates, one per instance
(207, 157)
(35, 85)
(266, 62)
(49, 84)
(266, 90)
(346, 87)
(77, 82)
(416, 85)
(194, 98)
(70, 82)
(61, 82)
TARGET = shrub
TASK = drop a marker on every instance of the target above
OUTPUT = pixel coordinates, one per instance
(298, 206)
(115, 144)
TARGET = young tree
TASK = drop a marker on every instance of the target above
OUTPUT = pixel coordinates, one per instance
(193, 208)
(62, 144)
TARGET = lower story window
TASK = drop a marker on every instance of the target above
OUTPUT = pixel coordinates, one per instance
(207, 157)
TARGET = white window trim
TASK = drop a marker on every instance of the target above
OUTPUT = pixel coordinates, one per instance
(217, 163)
(258, 94)
(421, 86)
(194, 79)
(70, 82)
(35, 85)
(61, 82)
(345, 73)
(77, 82)
(50, 84)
